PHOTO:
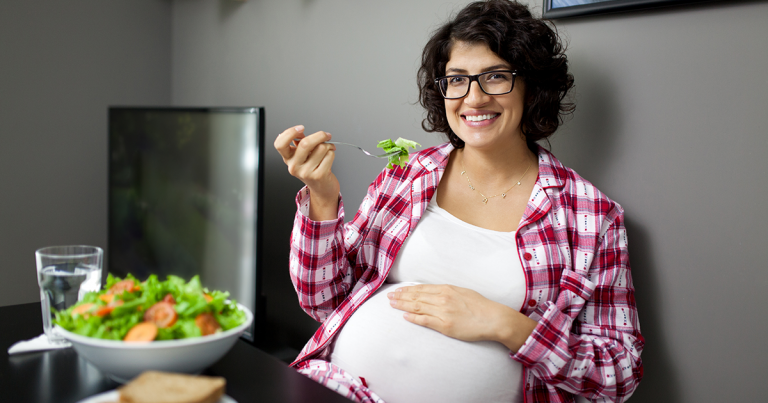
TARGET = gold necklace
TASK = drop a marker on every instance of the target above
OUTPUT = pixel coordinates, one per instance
(502, 194)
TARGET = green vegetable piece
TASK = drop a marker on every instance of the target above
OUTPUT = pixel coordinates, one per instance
(400, 146)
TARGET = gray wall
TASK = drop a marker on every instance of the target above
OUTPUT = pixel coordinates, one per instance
(61, 64)
(670, 122)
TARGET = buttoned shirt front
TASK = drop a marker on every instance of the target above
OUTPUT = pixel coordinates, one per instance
(573, 248)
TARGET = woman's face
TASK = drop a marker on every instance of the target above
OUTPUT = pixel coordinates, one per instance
(484, 121)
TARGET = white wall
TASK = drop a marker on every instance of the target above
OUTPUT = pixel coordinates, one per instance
(62, 63)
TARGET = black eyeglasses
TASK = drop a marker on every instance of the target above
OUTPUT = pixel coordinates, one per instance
(498, 82)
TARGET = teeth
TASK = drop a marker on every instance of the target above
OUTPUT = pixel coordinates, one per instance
(478, 118)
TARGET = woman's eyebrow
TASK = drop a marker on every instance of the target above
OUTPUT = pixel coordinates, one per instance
(457, 70)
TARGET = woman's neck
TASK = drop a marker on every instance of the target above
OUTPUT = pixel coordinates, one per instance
(496, 167)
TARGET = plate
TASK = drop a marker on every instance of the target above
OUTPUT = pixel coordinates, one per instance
(113, 396)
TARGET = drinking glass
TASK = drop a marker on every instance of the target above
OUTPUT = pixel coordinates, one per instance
(65, 274)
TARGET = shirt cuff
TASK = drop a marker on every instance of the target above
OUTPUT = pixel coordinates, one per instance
(302, 213)
(551, 333)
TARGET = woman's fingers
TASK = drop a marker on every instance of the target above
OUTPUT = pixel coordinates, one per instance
(284, 141)
(305, 155)
(453, 311)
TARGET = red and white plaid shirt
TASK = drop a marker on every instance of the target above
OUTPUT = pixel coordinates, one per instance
(573, 248)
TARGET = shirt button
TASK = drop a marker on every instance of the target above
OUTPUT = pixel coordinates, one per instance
(527, 256)
(531, 302)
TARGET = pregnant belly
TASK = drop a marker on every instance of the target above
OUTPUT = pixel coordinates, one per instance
(404, 362)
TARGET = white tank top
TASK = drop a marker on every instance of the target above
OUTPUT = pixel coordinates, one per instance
(403, 362)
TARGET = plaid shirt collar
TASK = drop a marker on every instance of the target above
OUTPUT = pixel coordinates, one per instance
(552, 173)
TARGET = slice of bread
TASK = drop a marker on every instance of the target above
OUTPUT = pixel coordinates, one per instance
(165, 387)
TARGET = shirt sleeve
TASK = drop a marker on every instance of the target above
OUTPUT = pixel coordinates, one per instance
(324, 263)
(588, 341)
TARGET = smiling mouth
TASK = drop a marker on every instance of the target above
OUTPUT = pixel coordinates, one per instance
(480, 118)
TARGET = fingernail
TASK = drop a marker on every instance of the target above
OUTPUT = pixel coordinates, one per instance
(299, 128)
(399, 290)
(393, 302)
(391, 295)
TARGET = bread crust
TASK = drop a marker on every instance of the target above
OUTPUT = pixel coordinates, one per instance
(166, 387)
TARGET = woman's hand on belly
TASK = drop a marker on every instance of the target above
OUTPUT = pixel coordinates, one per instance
(462, 313)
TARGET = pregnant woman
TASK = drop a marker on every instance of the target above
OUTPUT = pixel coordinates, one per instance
(483, 271)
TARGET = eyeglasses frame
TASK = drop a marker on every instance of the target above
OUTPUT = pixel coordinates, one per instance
(476, 78)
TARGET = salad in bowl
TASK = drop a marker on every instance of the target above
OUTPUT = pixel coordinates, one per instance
(132, 326)
(142, 311)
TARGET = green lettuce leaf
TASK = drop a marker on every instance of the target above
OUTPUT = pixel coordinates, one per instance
(400, 146)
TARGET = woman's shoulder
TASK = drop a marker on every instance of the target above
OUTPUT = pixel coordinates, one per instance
(570, 187)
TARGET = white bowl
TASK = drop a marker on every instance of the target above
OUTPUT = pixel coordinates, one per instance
(123, 361)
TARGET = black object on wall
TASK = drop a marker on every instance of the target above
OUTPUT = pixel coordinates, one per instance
(554, 9)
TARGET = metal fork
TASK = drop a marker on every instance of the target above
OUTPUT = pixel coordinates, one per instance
(386, 155)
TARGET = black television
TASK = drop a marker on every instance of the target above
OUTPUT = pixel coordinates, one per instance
(186, 197)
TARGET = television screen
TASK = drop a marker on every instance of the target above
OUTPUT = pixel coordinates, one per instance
(185, 196)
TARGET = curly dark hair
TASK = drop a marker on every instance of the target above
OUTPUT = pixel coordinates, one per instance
(529, 44)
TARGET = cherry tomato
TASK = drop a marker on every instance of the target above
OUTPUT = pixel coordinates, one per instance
(162, 314)
(125, 285)
(207, 323)
(169, 299)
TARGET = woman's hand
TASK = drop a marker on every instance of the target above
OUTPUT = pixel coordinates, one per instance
(310, 161)
(463, 314)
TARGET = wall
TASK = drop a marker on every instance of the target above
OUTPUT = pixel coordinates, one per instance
(62, 64)
(671, 123)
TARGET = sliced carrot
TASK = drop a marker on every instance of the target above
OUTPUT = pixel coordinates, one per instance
(207, 323)
(124, 285)
(208, 297)
(141, 333)
(107, 297)
(83, 309)
(105, 310)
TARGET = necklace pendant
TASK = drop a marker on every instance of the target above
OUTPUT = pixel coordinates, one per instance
(471, 187)
(503, 195)
(485, 200)
(518, 183)
(463, 172)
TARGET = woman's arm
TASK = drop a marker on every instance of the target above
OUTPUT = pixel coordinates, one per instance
(588, 341)
(324, 263)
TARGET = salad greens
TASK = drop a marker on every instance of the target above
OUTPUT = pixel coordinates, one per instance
(400, 145)
(124, 303)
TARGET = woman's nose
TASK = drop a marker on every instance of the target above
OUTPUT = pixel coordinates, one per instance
(476, 95)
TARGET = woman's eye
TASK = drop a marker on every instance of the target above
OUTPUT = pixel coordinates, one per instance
(499, 77)
(457, 80)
